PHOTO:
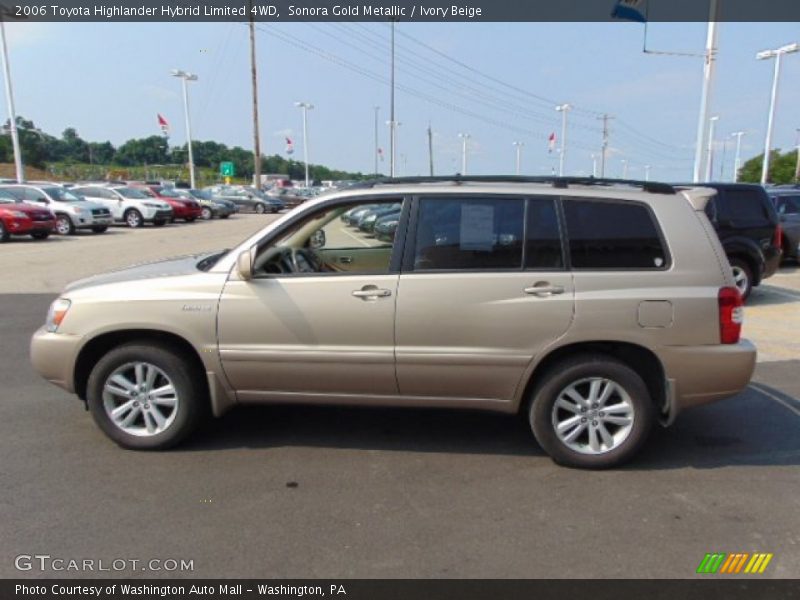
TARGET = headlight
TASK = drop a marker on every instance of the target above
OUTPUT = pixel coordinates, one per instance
(58, 310)
(152, 205)
(18, 214)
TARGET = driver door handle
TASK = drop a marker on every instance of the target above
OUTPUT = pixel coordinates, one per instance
(370, 292)
(544, 289)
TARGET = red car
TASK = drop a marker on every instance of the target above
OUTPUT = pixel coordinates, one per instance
(18, 218)
(182, 208)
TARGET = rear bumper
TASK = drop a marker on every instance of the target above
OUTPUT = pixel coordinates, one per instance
(699, 375)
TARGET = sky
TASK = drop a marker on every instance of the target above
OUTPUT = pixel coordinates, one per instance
(498, 82)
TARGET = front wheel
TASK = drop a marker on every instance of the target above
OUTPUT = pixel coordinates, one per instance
(591, 412)
(206, 214)
(260, 209)
(145, 397)
(133, 218)
(742, 276)
(40, 235)
(64, 225)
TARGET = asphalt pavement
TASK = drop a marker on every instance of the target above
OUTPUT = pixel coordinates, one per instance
(348, 493)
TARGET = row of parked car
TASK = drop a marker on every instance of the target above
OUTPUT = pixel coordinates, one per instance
(39, 209)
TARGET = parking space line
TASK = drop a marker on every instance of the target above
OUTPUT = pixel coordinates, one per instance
(777, 399)
(358, 239)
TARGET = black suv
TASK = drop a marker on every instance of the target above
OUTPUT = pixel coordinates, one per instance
(749, 229)
(787, 202)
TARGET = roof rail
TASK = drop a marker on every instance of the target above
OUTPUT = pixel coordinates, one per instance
(557, 182)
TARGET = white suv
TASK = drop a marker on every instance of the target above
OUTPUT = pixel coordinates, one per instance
(70, 210)
(128, 205)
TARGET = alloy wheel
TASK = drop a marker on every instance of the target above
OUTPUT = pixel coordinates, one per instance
(140, 399)
(741, 280)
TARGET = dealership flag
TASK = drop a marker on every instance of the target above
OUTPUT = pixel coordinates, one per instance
(289, 146)
(380, 153)
(162, 122)
(630, 10)
(551, 142)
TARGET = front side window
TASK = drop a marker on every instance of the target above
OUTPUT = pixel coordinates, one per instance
(612, 235)
(469, 233)
(334, 240)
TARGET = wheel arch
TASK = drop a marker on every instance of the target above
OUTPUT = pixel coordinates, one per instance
(639, 358)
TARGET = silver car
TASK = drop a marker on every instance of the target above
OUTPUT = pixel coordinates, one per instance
(594, 311)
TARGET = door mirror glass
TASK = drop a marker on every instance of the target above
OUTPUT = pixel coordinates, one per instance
(317, 239)
(244, 264)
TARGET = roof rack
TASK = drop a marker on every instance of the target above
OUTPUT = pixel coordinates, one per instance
(557, 182)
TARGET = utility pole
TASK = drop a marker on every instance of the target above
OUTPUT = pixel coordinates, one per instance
(430, 148)
(392, 122)
(705, 98)
(305, 106)
(464, 138)
(797, 168)
(256, 136)
(375, 149)
(563, 109)
(737, 161)
(12, 115)
(594, 165)
(777, 55)
(712, 122)
(519, 146)
(604, 149)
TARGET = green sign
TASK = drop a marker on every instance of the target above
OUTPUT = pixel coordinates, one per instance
(226, 169)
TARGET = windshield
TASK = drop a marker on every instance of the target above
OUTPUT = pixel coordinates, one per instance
(61, 195)
(7, 197)
(132, 193)
(168, 193)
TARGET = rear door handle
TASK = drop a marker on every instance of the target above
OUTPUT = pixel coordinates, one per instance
(370, 292)
(544, 289)
(346, 260)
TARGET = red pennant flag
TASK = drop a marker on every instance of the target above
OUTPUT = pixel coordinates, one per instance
(289, 146)
(162, 122)
(551, 142)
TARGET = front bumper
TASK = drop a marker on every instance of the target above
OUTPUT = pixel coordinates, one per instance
(699, 375)
(53, 357)
(159, 215)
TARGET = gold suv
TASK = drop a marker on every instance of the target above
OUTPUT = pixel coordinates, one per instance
(595, 309)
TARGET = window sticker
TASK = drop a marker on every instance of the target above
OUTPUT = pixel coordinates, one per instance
(477, 227)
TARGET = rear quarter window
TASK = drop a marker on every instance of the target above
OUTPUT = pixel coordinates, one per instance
(743, 206)
(613, 235)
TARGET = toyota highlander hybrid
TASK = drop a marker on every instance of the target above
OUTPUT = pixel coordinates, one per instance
(593, 309)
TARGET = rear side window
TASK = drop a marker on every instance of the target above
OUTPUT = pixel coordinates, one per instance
(612, 235)
(469, 233)
(788, 205)
(743, 206)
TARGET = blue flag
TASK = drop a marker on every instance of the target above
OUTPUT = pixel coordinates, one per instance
(630, 10)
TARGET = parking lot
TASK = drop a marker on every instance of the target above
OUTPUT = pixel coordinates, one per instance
(346, 493)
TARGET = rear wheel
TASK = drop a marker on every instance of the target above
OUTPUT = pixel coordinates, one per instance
(99, 228)
(145, 396)
(133, 218)
(4, 235)
(206, 213)
(64, 225)
(260, 209)
(40, 235)
(224, 216)
(742, 276)
(591, 411)
(159, 223)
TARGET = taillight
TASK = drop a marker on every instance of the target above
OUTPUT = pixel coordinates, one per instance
(731, 315)
(778, 239)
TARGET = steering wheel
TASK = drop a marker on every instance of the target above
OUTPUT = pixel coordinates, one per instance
(299, 260)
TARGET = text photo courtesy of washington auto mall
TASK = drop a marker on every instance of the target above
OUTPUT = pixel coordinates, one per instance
(381, 300)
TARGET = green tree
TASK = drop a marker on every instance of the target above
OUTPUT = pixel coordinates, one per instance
(143, 151)
(101, 153)
(781, 168)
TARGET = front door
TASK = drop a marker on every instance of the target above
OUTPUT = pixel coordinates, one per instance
(477, 299)
(317, 320)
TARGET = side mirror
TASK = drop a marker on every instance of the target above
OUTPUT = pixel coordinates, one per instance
(244, 264)
(317, 239)
(41, 200)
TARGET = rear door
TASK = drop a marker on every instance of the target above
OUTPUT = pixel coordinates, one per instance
(483, 290)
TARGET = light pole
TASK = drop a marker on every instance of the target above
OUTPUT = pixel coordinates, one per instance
(464, 138)
(624, 169)
(375, 150)
(519, 146)
(797, 168)
(712, 122)
(737, 161)
(647, 172)
(12, 115)
(305, 106)
(185, 78)
(705, 98)
(777, 54)
(563, 109)
(594, 165)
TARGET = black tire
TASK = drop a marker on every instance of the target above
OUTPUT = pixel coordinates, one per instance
(190, 219)
(191, 407)
(743, 276)
(133, 218)
(159, 223)
(274, 210)
(64, 225)
(100, 228)
(4, 235)
(206, 214)
(224, 216)
(573, 371)
(40, 235)
(260, 209)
